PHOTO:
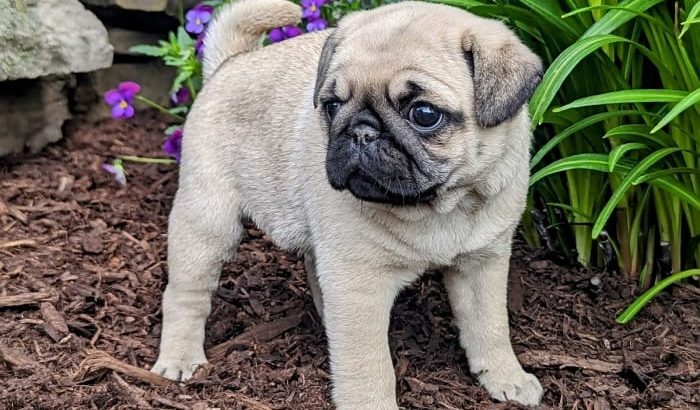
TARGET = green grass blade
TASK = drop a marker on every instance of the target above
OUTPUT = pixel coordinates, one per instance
(621, 150)
(627, 97)
(625, 185)
(552, 17)
(569, 208)
(465, 4)
(691, 19)
(595, 162)
(576, 127)
(678, 190)
(599, 7)
(636, 131)
(665, 172)
(687, 102)
(560, 69)
(613, 19)
(647, 296)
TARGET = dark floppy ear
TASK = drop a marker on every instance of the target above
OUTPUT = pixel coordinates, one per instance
(505, 72)
(324, 63)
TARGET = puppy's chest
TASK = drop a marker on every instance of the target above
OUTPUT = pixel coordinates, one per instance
(439, 240)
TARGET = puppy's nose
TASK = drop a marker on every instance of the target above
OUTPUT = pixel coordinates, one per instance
(364, 133)
(365, 127)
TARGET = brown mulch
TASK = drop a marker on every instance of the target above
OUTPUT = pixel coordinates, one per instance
(82, 271)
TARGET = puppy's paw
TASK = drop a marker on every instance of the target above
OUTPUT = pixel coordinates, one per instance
(518, 386)
(179, 369)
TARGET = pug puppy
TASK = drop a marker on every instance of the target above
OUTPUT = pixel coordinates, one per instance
(396, 143)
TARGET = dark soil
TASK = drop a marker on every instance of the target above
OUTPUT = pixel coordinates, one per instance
(82, 263)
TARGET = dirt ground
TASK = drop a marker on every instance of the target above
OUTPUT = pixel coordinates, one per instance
(82, 271)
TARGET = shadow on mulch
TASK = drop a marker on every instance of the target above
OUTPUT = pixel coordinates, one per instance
(82, 271)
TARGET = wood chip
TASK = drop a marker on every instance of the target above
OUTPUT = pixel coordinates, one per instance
(97, 360)
(17, 214)
(134, 392)
(250, 403)
(143, 244)
(540, 359)
(54, 324)
(418, 386)
(18, 243)
(92, 242)
(16, 359)
(170, 403)
(262, 332)
(29, 298)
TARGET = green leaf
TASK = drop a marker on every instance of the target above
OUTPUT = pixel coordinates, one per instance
(152, 51)
(560, 70)
(551, 16)
(570, 209)
(626, 97)
(613, 19)
(639, 303)
(625, 185)
(687, 102)
(620, 150)
(465, 4)
(595, 162)
(182, 109)
(576, 127)
(184, 40)
(510, 13)
(636, 131)
(182, 76)
(678, 190)
(691, 19)
(664, 172)
(172, 128)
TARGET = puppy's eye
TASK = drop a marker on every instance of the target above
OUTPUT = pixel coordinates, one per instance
(424, 117)
(332, 108)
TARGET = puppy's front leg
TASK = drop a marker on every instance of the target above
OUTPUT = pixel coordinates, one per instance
(356, 308)
(477, 289)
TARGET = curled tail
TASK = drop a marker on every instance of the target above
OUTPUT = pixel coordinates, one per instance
(239, 28)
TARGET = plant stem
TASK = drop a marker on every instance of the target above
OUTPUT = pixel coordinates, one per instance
(190, 86)
(159, 107)
(146, 160)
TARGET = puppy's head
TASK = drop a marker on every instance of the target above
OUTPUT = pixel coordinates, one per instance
(409, 93)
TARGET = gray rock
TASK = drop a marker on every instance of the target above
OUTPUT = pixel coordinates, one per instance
(44, 37)
(171, 7)
(32, 113)
(122, 39)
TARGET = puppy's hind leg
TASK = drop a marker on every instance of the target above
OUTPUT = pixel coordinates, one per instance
(204, 226)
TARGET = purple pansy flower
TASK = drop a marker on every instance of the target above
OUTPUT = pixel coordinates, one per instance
(181, 96)
(117, 171)
(122, 99)
(316, 25)
(311, 9)
(283, 33)
(173, 145)
(199, 45)
(197, 17)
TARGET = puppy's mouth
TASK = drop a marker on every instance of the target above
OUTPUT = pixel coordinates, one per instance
(382, 169)
(366, 188)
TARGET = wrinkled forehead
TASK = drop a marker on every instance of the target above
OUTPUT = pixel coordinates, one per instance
(396, 53)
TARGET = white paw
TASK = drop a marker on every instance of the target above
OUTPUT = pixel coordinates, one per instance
(518, 386)
(179, 369)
